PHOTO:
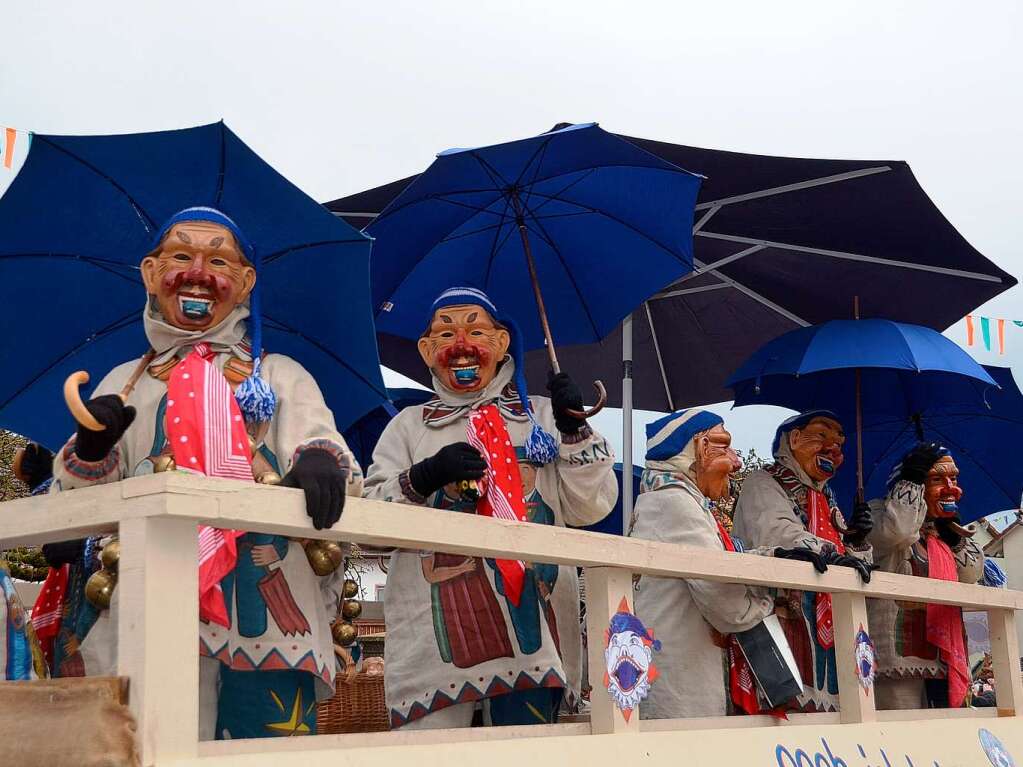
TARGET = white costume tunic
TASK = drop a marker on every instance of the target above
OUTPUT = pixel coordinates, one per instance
(459, 639)
(899, 628)
(767, 515)
(684, 614)
(254, 640)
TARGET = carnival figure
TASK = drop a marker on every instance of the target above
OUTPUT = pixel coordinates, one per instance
(265, 643)
(788, 504)
(463, 629)
(921, 648)
(688, 462)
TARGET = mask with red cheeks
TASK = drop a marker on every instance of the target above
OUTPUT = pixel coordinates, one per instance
(817, 447)
(715, 462)
(941, 489)
(198, 275)
(463, 347)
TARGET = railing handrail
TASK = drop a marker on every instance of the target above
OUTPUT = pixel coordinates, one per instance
(241, 505)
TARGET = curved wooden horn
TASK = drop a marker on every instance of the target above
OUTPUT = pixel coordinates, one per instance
(966, 532)
(74, 401)
(838, 522)
(19, 456)
(598, 387)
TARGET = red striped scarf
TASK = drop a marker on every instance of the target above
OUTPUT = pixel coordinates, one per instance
(208, 437)
(48, 610)
(501, 486)
(945, 623)
(742, 685)
(818, 512)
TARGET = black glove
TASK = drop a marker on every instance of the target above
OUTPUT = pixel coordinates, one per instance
(110, 411)
(63, 553)
(818, 561)
(452, 463)
(845, 560)
(919, 461)
(565, 396)
(317, 473)
(943, 527)
(860, 524)
(36, 465)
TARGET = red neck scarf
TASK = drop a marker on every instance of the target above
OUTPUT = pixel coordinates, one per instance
(208, 437)
(741, 684)
(501, 486)
(945, 623)
(818, 513)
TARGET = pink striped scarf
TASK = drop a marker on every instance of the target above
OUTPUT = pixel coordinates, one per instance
(501, 486)
(208, 437)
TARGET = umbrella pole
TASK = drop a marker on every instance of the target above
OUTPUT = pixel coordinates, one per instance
(859, 418)
(551, 353)
(627, 499)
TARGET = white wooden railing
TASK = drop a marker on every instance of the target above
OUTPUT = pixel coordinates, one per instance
(156, 518)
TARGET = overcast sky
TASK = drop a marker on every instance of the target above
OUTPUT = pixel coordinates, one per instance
(344, 96)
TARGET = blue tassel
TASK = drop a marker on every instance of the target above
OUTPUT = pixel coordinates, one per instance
(541, 446)
(255, 398)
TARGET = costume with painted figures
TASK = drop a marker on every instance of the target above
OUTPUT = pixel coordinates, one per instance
(464, 629)
(265, 639)
(921, 653)
(788, 504)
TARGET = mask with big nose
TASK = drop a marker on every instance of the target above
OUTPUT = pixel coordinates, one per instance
(715, 462)
(817, 447)
(941, 489)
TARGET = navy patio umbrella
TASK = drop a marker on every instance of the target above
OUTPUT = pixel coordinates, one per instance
(876, 370)
(81, 213)
(779, 243)
(567, 232)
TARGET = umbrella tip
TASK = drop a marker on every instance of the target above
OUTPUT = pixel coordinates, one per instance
(560, 126)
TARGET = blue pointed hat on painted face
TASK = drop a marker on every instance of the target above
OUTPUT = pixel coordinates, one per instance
(256, 399)
(541, 447)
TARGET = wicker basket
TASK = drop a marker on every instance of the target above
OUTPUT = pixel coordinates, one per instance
(357, 706)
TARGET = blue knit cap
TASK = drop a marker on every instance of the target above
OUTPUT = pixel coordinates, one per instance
(798, 422)
(256, 399)
(541, 447)
(668, 436)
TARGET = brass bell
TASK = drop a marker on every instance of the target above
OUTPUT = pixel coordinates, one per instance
(111, 556)
(351, 609)
(163, 463)
(324, 556)
(350, 590)
(253, 445)
(99, 589)
(343, 633)
(269, 478)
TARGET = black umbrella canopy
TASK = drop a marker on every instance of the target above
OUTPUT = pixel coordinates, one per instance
(780, 243)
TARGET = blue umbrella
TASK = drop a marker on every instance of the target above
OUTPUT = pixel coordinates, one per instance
(81, 213)
(598, 222)
(877, 369)
(981, 436)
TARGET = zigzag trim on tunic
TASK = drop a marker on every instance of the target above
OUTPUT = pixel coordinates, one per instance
(471, 692)
(436, 412)
(272, 661)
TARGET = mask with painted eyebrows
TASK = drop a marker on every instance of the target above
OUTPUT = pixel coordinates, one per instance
(463, 347)
(941, 489)
(818, 447)
(197, 275)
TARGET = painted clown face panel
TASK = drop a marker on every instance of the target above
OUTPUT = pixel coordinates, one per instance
(197, 275)
(628, 660)
(818, 448)
(463, 347)
(941, 489)
(715, 462)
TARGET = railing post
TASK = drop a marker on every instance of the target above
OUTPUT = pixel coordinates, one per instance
(158, 634)
(605, 588)
(849, 613)
(1005, 662)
